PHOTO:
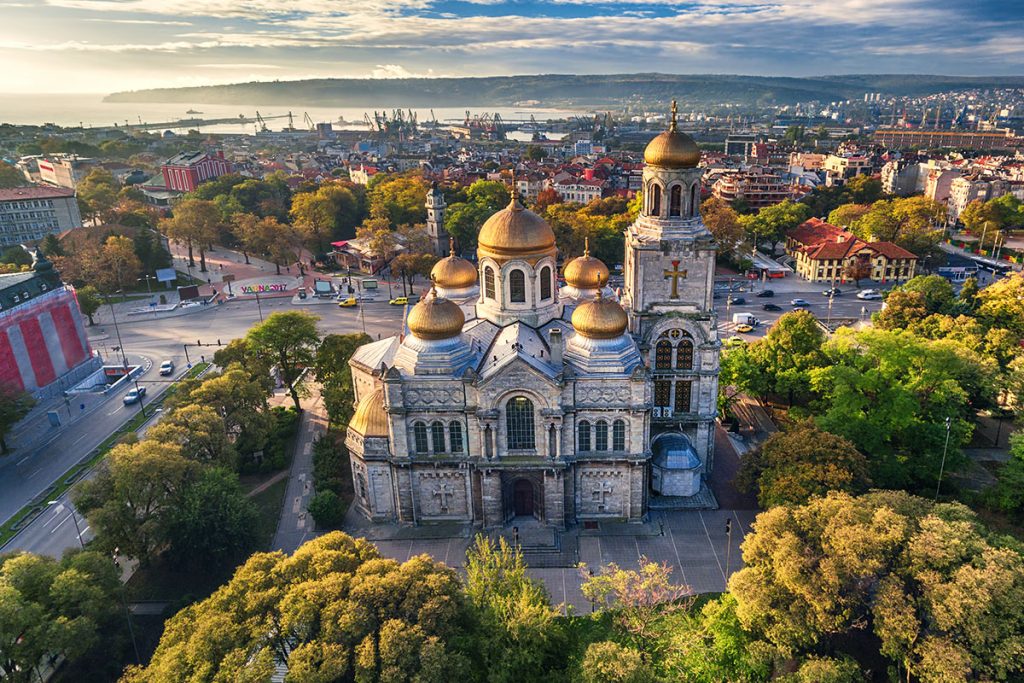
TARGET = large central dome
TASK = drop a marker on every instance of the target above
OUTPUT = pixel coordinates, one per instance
(515, 232)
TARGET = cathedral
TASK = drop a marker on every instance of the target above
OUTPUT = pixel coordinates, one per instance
(511, 397)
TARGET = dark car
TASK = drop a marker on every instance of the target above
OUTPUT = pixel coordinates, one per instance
(771, 307)
(766, 294)
(835, 291)
(738, 301)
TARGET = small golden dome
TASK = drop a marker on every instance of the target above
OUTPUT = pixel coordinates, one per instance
(515, 232)
(436, 318)
(600, 318)
(583, 271)
(453, 272)
(370, 419)
(672, 149)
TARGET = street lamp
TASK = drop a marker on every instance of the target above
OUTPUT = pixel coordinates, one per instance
(942, 466)
(124, 356)
(128, 615)
(831, 295)
(74, 518)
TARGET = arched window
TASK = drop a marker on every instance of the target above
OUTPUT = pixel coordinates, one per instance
(675, 204)
(545, 283)
(663, 355)
(693, 199)
(419, 431)
(684, 355)
(488, 282)
(601, 436)
(519, 424)
(455, 436)
(437, 436)
(619, 435)
(655, 199)
(517, 286)
(584, 430)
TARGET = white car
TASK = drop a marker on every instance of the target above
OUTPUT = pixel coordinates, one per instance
(167, 367)
(869, 294)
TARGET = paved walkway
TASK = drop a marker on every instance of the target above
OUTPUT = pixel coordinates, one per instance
(296, 524)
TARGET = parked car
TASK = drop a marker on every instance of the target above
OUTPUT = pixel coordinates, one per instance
(771, 307)
(735, 341)
(765, 294)
(134, 396)
(869, 294)
(167, 367)
(348, 303)
(799, 303)
(399, 301)
(738, 301)
(744, 328)
(834, 291)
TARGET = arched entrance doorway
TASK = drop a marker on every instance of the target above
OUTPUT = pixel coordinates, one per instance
(522, 498)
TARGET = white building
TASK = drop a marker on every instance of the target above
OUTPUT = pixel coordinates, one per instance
(28, 214)
(579, 190)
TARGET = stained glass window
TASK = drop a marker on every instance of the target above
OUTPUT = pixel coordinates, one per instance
(519, 423)
(663, 355)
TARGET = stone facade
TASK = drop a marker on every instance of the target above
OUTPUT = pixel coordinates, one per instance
(545, 402)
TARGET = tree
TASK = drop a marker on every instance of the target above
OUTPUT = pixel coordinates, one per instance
(399, 197)
(17, 256)
(313, 216)
(772, 223)
(97, 194)
(724, 225)
(926, 580)
(902, 310)
(857, 270)
(519, 637)
(608, 662)
(936, 290)
(14, 405)
(196, 222)
(1008, 493)
(334, 610)
(198, 432)
(792, 466)
(290, 340)
(638, 597)
(913, 223)
(267, 237)
(968, 297)
(51, 246)
(130, 501)
(844, 216)
(120, 267)
(483, 198)
(241, 402)
(381, 240)
(417, 255)
(10, 176)
(213, 524)
(334, 374)
(1001, 304)
(89, 302)
(327, 510)
(51, 609)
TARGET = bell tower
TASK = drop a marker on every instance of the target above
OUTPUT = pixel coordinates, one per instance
(435, 219)
(669, 286)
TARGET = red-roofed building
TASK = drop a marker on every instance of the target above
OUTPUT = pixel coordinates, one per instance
(823, 252)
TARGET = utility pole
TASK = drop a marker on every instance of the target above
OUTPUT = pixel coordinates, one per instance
(728, 547)
(942, 466)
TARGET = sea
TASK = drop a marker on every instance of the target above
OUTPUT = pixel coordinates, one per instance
(91, 111)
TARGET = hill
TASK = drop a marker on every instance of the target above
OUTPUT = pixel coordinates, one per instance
(565, 90)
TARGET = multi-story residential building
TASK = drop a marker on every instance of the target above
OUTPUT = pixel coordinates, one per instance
(806, 161)
(966, 189)
(840, 168)
(938, 183)
(899, 138)
(186, 171)
(740, 144)
(64, 170)
(28, 214)
(756, 186)
(823, 252)
(362, 175)
(529, 185)
(580, 190)
(902, 177)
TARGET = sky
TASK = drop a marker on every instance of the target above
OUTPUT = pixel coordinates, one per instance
(57, 46)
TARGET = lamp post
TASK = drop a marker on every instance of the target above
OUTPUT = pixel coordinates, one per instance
(728, 546)
(258, 306)
(831, 295)
(74, 518)
(128, 615)
(942, 466)
(124, 356)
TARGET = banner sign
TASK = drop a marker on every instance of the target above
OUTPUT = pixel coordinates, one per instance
(261, 289)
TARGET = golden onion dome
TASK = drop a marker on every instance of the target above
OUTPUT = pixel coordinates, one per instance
(672, 149)
(583, 271)
(436, 318)
(601, 318)
(370, 418)
(453, 272)
(515, 232)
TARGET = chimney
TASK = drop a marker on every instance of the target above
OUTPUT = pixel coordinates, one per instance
(555, 336)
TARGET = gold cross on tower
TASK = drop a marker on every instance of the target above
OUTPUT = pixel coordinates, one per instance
(675, 274)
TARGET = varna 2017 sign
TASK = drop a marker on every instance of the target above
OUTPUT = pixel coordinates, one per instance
(263, 289)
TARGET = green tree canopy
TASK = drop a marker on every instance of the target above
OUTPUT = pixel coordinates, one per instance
(14, 405)
(289, 340)
(772, 223)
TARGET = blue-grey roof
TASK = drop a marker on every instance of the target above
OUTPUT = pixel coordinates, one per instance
(673, 451)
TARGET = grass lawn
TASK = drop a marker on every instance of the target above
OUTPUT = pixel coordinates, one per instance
(269, 503)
